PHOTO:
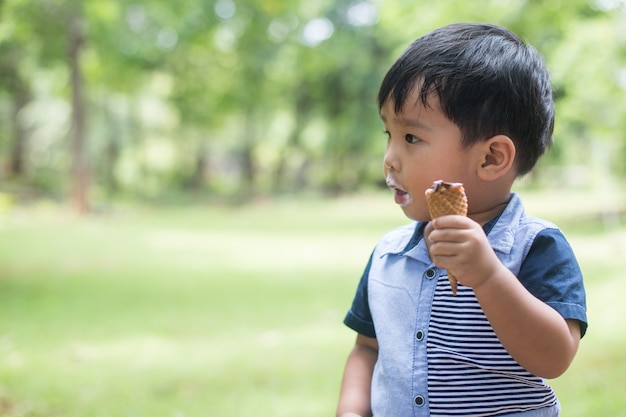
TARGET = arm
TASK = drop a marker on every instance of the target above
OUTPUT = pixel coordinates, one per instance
(533, 333)
(354, 399)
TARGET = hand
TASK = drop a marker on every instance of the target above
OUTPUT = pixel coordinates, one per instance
(459, 244)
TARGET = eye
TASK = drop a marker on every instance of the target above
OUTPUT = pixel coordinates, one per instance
(386, 133)
(411, 139)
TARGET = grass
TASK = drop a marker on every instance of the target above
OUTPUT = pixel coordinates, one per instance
(222, 311)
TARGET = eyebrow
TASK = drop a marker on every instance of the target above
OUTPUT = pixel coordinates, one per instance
(408, 122)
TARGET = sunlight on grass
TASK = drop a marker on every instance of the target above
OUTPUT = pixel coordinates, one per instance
(214, 311)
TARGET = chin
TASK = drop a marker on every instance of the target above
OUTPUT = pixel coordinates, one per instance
(415, 215)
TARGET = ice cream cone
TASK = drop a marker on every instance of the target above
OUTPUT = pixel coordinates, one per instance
(445, 198)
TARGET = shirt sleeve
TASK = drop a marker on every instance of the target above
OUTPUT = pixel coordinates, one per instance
(552, 274)
(359, 317)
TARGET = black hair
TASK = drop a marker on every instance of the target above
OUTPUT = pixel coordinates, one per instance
(488, 82)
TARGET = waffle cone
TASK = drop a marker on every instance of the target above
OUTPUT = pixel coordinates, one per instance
(445, 198)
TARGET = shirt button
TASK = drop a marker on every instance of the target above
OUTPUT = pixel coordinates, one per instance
(431, 273)
(419, 401)
(419, 335)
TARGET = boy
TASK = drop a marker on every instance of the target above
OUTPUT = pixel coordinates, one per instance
(467, 103)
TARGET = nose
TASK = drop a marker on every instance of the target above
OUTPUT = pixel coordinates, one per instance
(390, 160)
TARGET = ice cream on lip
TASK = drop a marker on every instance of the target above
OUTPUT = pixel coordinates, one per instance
(401, 196)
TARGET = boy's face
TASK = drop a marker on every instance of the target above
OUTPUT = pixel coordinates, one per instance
(423, 146)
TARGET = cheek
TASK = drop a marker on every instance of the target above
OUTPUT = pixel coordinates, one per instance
(417, 212)
(421, 179)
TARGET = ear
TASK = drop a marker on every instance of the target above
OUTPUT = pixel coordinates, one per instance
(497, 158)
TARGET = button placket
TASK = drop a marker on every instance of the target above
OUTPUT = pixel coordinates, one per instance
(429, 276)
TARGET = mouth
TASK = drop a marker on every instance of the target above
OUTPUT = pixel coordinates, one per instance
(400, 195)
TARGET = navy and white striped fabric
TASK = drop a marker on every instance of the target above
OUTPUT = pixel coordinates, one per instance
(469, 372)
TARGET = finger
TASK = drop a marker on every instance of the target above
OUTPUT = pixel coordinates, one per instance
(448, 250)
(452, 221)
(428, 228)
(443, 261)
(447, 236)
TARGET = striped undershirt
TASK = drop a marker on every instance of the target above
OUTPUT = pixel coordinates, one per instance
(470, 374)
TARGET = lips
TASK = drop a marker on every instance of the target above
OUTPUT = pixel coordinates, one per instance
(401, 196)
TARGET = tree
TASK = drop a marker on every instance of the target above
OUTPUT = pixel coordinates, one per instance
(17, 87)
(55, 30)
(80, 163)
(260, 95)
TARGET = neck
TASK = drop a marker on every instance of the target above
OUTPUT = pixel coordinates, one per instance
(483, 215)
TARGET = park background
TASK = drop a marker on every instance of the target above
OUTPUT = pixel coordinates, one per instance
(190, 190)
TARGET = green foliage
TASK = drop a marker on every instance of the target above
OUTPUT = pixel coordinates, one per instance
(262, 96)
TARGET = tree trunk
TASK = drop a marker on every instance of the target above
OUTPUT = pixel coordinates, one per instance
(247, 154)
(80, 164)
(17, 159)
(104, 168)
(302, 109)
(196, 178)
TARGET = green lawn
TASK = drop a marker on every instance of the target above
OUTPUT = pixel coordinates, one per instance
(226, 311)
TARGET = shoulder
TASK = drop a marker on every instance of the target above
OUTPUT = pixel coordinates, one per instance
(551, 273)
(550, 246)
(514, 230)
(543, 240)
(537, 224)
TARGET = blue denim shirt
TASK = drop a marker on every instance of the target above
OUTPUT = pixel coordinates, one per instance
(402, 291)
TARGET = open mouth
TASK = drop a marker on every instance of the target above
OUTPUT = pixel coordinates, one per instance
(400, 196)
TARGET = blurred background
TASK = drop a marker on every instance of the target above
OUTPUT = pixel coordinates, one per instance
(103, 99)
(189, 191)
